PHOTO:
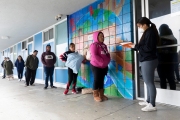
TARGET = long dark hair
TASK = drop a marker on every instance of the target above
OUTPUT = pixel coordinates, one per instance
(145, 20)
(20, 57)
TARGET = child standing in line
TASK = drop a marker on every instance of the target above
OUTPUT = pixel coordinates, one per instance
(72, 77)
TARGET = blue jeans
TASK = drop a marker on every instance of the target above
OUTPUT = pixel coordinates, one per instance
(49, 73)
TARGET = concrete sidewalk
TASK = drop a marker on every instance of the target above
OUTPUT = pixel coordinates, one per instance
(34, 103)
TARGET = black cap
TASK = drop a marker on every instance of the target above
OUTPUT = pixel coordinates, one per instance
(35, 51)
(48, 45)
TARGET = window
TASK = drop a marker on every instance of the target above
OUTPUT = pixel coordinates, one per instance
(48, 35)
(11, 50)
(23, 45)
(30, 39)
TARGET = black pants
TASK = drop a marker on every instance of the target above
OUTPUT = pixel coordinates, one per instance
(176, 69)
(72, 78)
(4, 73)
(99, 74)
(166, 72)
(30, 76)
(20, 74)
(49, 74)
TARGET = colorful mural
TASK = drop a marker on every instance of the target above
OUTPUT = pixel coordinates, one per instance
(114, 19)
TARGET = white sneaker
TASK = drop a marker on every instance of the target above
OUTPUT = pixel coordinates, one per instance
(143, 103)
(149, 108)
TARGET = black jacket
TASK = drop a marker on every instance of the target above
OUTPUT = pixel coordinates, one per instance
(167, 55)
(147, 46)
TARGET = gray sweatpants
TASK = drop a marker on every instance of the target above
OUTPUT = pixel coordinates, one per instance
(148, 68)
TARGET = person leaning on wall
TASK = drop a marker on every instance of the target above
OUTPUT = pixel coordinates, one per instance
(31, 66)
(147, 48)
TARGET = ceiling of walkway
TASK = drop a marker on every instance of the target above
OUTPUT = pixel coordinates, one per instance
(20, 19)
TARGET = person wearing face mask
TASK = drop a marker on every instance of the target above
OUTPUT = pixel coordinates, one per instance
(100, 59)
(48, 59)
(148, 58)
(8, 65)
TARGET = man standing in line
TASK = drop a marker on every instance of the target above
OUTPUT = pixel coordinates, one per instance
(48, 59)
(2, 65)
(31, 67)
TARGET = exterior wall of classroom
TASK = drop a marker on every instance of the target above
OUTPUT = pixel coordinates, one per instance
(114, 18)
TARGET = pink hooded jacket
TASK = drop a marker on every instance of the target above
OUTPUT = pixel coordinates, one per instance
(100, 56)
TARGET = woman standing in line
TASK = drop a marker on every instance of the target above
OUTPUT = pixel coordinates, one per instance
(100, 59)
(148, 58)
(20, 67)
(9, 68)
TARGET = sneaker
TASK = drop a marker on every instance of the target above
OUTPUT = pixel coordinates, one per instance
(33, 85)
(149, 108)
(74, 91)
(143, 103)
(66, 92)
(53, 87)
(25, 85)
(19, 80)
(45, 88)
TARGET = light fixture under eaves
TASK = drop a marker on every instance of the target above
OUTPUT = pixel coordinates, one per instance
(4, 37)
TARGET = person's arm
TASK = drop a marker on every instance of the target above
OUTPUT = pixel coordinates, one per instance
(15, 63)
(150, 43)
(54, 58)
(94, 53)
(63, 57)
(2, 64)
(27, 61)
(43, 59)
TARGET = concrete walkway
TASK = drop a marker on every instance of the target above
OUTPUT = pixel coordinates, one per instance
(34, 103)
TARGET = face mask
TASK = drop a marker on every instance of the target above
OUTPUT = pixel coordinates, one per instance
(141, 30)
(7, 60)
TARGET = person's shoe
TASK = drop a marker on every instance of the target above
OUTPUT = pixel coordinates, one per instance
(96, 96)
(66, 92)
(74, 91)
(149, 108)
(25, 85)
(143, 103)
(3, 77)
(19, 80)
(102, 96)
(33, 85)
(45, 88)
(53, 87)
(179, 82)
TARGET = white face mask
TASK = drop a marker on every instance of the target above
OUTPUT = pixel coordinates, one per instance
(141, 30)
(7, 60)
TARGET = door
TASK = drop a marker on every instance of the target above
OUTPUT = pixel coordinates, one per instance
(165, 15)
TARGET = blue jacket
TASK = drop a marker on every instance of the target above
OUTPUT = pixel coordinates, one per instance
(19, 65)
(74, 61)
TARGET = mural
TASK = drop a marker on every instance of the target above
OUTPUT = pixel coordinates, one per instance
(113, 18)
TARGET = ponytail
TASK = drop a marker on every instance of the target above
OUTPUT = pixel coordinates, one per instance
(153, 26)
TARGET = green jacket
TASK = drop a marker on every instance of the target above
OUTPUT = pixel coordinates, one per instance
(32, 62)
(8, 65)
